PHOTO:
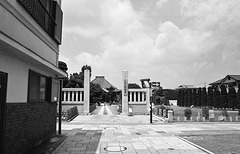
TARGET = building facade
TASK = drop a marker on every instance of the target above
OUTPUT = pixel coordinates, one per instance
(228, 81)
(30, 35)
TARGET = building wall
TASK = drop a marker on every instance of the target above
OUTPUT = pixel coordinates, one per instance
(27, 125)
(23, 29)
(18, 72)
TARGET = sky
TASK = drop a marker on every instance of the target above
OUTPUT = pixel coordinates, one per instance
(174, 42)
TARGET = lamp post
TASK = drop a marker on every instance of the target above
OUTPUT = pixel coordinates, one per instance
(146, 84)
(60, 104)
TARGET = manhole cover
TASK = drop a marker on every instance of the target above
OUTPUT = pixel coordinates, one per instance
(115, 149)
(110, 128)
(170, 149)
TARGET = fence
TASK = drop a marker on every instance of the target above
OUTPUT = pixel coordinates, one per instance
(138, 100)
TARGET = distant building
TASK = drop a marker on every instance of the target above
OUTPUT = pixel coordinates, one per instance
(186, 87)
(105, 84)
(30, 35)
(228, 81)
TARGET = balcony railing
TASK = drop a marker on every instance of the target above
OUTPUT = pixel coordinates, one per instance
(50, 19)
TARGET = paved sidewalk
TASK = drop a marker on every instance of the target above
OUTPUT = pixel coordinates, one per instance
(137, 139)
(118, 134)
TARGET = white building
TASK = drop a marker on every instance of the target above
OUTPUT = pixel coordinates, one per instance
(30, 35)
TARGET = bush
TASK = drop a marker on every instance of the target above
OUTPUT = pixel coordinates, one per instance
(69, 113)
(188, 113)
(205, 113)
(224, 113)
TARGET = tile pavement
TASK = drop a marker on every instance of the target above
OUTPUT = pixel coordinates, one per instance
(95, 134)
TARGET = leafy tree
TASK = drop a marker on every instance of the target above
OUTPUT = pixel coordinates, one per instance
(95, 93)
(210, 96)
(199, 97)
(186, 98)
(77, 79)
(232, 98)
(204, 97)
(112, 95)
(172, 94)
(182, 96)
(63, 66)
(194, 97)
(238, 97)
(224, 98)
(216, 98)
(190, 97)
(133, 86)
(179, 98)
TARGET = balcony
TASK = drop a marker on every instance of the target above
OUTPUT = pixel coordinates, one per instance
(48, 14)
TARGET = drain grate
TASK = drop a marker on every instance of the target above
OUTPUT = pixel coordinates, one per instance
(115, 149)
(170, 149)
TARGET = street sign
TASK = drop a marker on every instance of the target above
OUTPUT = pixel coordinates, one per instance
(155, 85)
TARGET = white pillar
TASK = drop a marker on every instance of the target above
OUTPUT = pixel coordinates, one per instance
(148, 100)
(125, 93)
(86, 91)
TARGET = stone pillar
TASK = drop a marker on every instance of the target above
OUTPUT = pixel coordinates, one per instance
(148, 100)
(125, 93)
(86, 91)
(170, 116)
(211, 115)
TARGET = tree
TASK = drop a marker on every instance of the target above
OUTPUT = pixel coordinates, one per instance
(216, 98)
(179, 98)
(95, 93)
(133, 86)
(204, 97)
(112, 95)
(232, 98)
(238, 97)
(63, 66)
(224, 99)
(186, 97)
(190, 97)
(210, 96)
(199, 97)
(194, 97)
(77, 79)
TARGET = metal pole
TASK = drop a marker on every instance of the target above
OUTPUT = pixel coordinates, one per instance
(150, 111)
(60, 109)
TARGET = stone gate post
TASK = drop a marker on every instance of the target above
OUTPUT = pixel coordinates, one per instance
(125, 93)
(86, 91)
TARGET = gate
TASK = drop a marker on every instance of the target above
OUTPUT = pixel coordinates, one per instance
(3, 94)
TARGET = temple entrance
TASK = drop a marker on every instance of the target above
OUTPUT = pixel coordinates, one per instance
(3, 94)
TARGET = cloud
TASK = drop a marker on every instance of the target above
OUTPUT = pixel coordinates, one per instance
(161, 2)
(206, 49)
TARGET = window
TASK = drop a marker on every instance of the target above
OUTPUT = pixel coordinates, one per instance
(39, 89)
(48, 15)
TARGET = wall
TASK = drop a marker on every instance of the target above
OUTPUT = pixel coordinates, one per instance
(18, 23)
(28, 124)
(17, 78)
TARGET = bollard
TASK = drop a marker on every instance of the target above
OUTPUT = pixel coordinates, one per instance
(236, 118)
(198, 118)
(211, 115)
(203, 119)
(178, 119)
(185, 118)
(191, 119)
(230, 118)
(170, 115)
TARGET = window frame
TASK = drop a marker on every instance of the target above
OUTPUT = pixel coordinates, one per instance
(48, 88)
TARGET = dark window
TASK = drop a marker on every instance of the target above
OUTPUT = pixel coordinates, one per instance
(39, 89)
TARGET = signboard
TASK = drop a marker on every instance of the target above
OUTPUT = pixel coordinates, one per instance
(155, 85)
(125, 83)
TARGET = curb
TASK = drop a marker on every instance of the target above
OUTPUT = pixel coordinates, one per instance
(197, 146)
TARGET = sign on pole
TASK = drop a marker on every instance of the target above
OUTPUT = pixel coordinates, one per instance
(155, 85)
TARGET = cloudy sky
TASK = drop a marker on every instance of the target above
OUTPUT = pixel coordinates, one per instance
(172, 41)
